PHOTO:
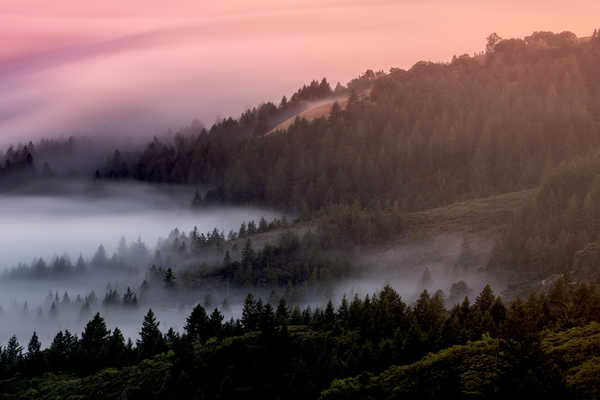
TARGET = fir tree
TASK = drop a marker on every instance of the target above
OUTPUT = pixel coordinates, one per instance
(151, 341)
(196, 325)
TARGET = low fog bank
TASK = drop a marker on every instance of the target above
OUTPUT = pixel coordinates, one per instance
(73, 218)
(29, 307)
(158, 252)
(454, 263)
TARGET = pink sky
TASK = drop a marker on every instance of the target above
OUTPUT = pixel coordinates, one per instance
(142, 66)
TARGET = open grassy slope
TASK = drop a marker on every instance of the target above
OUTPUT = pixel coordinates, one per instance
(320, 110)
(484, 216)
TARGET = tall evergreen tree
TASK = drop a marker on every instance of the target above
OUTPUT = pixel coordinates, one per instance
(197, 323)
(151, 341)
(94, 339)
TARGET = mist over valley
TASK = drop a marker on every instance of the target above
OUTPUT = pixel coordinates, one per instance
(301, 200)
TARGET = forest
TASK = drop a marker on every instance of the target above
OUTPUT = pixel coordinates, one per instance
(374, 347)
(433, 233)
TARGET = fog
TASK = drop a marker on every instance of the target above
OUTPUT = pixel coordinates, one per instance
(403, 265)
(73, 218)
(141, 68)
(141, 224)
(79, 216)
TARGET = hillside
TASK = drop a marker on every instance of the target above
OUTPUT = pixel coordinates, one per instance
(376, 348)
(486, 368)
(318, 111)
(422, 138)
(557, 230)
(488, 216)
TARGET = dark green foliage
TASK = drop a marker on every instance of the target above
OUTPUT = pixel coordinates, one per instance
(488, 369)
(34, 356)
(215, 323)
(421, 138)
(197, 324)
(117, 349)
(394, 350)
(282, 314)
(169, 279)
(250, 313)
(558, 229)
(93, 343)
(151, 340)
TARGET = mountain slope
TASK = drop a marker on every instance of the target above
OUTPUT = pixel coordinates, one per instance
(422, 138)
(318, 111)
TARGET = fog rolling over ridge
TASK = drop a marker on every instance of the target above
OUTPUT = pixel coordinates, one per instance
(143, 69)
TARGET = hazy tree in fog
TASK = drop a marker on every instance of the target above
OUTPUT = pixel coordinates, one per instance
(426, 279)
(130, 298)
(100, 258)
(458, 291)
(169, 278)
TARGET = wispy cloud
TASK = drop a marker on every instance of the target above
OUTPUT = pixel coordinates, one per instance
(142, 66)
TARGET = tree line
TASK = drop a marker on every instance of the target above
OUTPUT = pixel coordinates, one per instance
(419, 138)
(275, 350)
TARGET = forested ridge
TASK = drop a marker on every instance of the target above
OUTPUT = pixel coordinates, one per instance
(419, 138)
(520, 121)
(560, 224)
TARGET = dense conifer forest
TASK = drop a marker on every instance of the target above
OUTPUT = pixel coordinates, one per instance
(502, 147)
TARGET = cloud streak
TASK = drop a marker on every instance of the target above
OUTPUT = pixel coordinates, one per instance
(140, 68)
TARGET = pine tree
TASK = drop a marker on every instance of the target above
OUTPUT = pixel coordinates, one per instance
(151, 341)
(100, 259)
(34, 347)
(171, 338)
(485, 299)
(267, 321)
(13, 353)
(250, 314)
(335, 113)
(93, 342)
(216, 322)
(329, 314)
(262, 225)
(58, 351)
(242, 233)
(247, 254)
(197, 323)
(116, 348)
(169, 279)
(282, 313)
(296, 316)
(130, 298)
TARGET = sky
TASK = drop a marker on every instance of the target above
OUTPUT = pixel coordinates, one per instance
(141, 67)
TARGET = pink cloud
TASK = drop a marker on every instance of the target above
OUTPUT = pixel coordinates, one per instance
(146, 65)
